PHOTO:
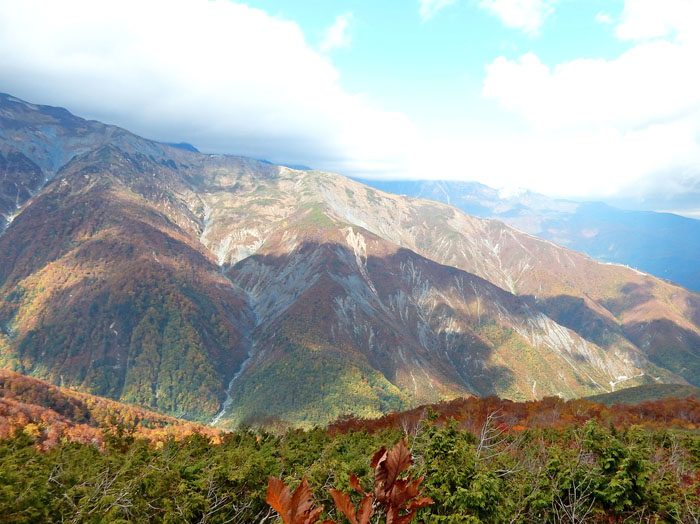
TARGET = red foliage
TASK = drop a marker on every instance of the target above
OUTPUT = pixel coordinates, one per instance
(471, 413)
(297, 508)
(50, 414)
(399, 498)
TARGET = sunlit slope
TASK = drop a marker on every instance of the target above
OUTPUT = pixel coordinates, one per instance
(50, 415)
(103, 290)
(663, 244)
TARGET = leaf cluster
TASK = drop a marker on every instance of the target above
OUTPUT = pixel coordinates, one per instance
(397, 498)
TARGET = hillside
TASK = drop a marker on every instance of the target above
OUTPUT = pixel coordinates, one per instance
(50, 414)
(663, 244)
(225, 289)
(650, 392)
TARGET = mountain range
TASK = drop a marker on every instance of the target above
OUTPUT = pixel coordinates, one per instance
(663, 244)
(225, 289)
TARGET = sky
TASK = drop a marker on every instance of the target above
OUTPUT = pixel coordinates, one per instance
(583, 99)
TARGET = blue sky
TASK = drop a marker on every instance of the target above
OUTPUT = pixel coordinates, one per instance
(587, 99)
(433, 70)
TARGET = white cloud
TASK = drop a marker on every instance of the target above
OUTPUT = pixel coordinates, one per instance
(428, 8)
(603, 18)
(646, 19)
(525, 15)
(621, 123)
(336, 35)
(226, 77)
(650, 83)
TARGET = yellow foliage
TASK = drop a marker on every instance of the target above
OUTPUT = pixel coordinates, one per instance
(32, 430)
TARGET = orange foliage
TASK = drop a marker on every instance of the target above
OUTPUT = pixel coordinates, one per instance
(50, 414)
(297, 508)
(471, 414)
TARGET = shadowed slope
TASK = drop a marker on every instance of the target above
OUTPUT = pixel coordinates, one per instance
(618, 304)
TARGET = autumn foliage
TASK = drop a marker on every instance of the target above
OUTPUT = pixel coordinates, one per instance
(70, 457)
(297, 508)
(551, 412)
(397, 498)
(50, 414)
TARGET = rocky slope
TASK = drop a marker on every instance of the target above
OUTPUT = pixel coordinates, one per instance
(663, 244)
(226, 289)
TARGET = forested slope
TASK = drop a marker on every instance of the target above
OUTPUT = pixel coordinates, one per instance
(51, 416)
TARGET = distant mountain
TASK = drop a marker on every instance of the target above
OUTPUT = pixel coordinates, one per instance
(663, 244)
(226, 289)
(183, 145)
(299, 167)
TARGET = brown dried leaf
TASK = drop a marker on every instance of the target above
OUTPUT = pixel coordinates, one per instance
(405, 519)
(301, 506)
(355, 484)
(388, 468)
(344, 505)
(392, 515)
(380, 478)
(294, 509)
(311, 517)
(398, 460)
(399, 495)
(279, 497)
(377, 457)
(404, 490)
(366, 510)
(420, 502)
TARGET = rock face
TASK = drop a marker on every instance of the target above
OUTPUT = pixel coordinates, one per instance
(226, 289)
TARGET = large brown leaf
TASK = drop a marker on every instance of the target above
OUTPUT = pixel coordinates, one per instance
(279, 497)
(355, 484)
(294, 509)
(404, 490)
(420, 502)
(377, 457)
(344, 505)
(405, 519)
(388, 467)
(366, 510)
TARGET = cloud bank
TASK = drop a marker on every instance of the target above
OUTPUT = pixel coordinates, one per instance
(232, 79)
(226, 77)
(634, 120)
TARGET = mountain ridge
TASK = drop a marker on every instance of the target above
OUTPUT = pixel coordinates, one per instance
(654, 242)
